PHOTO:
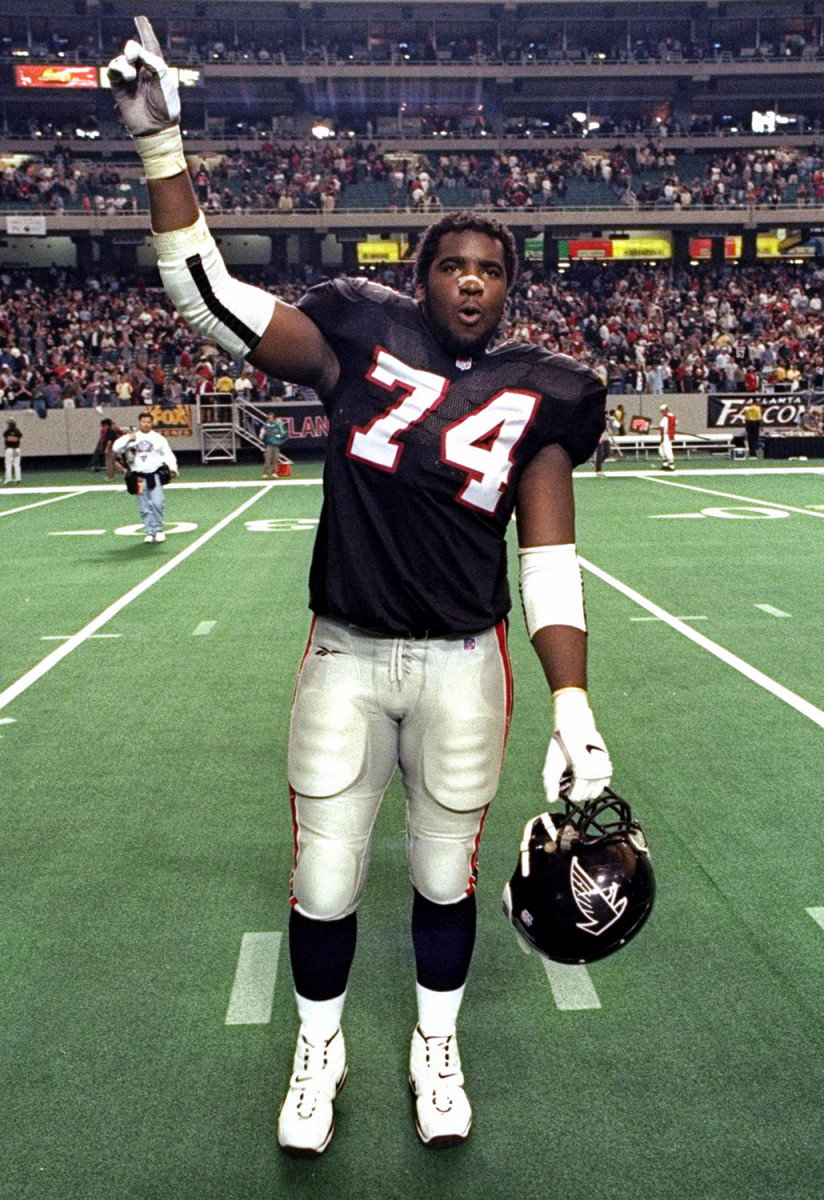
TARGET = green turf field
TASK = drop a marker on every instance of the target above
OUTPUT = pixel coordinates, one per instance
(144, 704)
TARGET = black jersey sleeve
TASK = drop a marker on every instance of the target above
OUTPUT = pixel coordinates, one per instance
(579, 411)
(337, 306)
(350, 313)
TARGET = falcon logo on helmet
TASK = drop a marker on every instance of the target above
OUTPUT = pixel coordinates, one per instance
(584, 884)
(601, 908)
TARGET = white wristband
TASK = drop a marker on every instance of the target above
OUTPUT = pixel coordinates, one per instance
(162, 153)
(570, 704)
(552, 591)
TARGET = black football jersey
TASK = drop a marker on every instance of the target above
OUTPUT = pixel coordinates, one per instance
(423, 460)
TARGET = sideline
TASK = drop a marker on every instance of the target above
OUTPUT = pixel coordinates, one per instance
(77, 639)
(726, 656)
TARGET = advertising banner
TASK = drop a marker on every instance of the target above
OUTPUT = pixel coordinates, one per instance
(700, 248)
(308, 426)
(615, 249)
(172, 422)
(780, 411)
(33, 226)
(381, 250)
(789, 243)
(55, 76)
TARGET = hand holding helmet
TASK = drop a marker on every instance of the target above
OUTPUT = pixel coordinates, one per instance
(584, 883)
(576, 750)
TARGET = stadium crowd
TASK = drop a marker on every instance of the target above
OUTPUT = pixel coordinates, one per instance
(99, 342)
(58, 180)
(401, 41)
(322, 175)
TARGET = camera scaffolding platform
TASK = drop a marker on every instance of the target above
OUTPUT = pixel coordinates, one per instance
(225, 421)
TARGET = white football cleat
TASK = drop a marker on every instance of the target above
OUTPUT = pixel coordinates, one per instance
(307, 1116)
(443, 1114)
(160, 537)
(150, 537)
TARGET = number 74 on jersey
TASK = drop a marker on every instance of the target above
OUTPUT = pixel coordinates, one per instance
(482, 443)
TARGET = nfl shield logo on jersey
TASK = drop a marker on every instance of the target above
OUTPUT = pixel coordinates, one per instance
(469, 643)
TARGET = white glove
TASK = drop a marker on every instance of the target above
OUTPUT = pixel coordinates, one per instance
(577, 749)
(143, 86)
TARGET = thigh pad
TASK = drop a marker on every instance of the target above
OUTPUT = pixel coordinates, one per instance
(327, 737)
(453, 749)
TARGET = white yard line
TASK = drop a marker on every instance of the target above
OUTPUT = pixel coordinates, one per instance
(254, 986)
(59, 492)
(772, 611)
(64, 637)
(676, 618)
(692, 487)
(693, 472)
(726, 656)
(572, 988)
(38, 503)
(51, 660)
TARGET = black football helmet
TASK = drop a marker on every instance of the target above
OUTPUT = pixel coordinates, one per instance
(584, 883)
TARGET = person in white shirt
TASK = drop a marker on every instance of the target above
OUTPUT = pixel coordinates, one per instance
(666, 427)
(150, 462)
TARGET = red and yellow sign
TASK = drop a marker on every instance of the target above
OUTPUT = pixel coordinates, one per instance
(644, 248)
(700, 248)
(55, 76)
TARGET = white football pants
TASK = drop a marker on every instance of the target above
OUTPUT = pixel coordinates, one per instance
(437, 707)
(12, 459)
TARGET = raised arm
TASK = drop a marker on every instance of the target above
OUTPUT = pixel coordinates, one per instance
(553, 601)
(246, 321)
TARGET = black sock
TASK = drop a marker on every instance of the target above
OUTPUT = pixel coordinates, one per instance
(321, 954)
(443, 936)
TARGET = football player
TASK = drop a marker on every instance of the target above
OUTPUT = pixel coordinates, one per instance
(434, 439)
(666, 429)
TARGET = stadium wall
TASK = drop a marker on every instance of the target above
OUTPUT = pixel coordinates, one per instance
(67, 432)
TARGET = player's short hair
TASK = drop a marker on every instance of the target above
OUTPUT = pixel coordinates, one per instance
(141, 415)
(464, 222)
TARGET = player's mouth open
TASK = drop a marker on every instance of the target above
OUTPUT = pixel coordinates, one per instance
(469, 315)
